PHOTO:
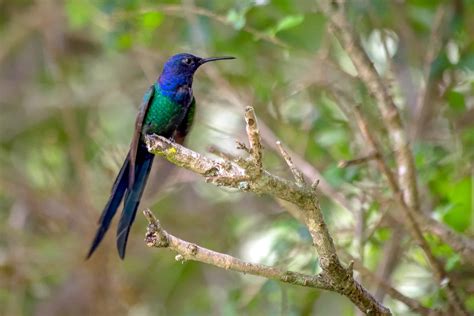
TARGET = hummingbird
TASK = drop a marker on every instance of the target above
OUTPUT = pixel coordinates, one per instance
(167, 109)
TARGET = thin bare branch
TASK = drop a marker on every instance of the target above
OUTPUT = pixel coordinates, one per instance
(307, 169)
(315, 185)
(410, 217)
(270, 139)
(460, 243)
(294, 170)
(414, 305)
(356, 161)
(254, 137)
(405, 186)
(392, 255)
(434, 44)
(157, 237)
(182, 11)
(391, 117)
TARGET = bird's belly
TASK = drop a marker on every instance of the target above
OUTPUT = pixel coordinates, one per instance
(163, 119)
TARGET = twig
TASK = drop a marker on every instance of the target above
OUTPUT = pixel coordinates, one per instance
(254, 138)
(390, 114)
(411, 221)
(461, 244)
(241, 146)
(414, 305)
(218, 152)
(356, 161)
(270, 139)
(307, 169)
(434, 44)
(248, 178)
(315, 185)
(392, 253)
(180, 10)
(295, 171)
(406, 186)
(359, 229)
(369, 275)
(157, 237)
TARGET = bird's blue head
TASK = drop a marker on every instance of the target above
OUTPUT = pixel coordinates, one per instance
(179, 70)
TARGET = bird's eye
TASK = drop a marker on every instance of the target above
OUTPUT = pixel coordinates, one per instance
(187, 61)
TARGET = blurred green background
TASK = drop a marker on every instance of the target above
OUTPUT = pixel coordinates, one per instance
(72, 74)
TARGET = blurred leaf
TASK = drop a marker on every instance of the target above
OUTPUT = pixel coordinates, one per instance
(456, 211)
(456, 100)
(289, 22)
(151, 20)
(383, 234)
(470, 303)
(453, 262)
(331, 137)
(124, 41)
(236, 18)
(286, 23)
(297, 35)
(80, 13)
(338, 176)
(467, 61)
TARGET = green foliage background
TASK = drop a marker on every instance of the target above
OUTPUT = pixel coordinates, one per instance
(72, 74)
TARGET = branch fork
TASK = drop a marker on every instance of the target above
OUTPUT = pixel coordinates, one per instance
(248, 174)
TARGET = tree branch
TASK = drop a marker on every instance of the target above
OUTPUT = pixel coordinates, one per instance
(248, 175)
(157, 237)
(372, 277)
(391, 117)
(295, 171)
(414, 305)
(411, 221)
(404, 186)
(182, 10)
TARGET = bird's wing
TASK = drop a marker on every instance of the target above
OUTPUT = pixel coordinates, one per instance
(137, 132)
(185, 126)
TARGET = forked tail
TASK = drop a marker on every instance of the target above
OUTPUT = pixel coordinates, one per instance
(144, 162)
(132, 197)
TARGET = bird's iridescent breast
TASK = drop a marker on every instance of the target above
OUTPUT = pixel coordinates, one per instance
(164, 114)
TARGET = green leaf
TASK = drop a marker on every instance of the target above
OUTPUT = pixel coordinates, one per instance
(289, 22)
(79, 13)
(453, 262)
(457, 212)
(124, 41)
(236, 18)
(294, 31)
(470, 303)
(467, 61)
(456, 100)
(331, 137)
(151, 20)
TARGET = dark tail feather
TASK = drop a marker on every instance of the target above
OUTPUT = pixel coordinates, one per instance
(132, 198)
(118, 190)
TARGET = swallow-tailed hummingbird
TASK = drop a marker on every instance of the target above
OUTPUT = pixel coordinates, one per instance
(167, 110)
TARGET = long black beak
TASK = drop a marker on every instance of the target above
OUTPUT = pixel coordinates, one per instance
(206, 60)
